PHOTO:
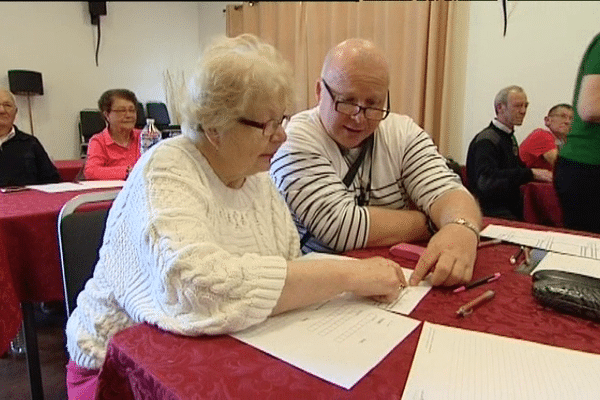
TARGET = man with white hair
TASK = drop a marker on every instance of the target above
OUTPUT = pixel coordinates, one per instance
(494, 170)
(23, 160)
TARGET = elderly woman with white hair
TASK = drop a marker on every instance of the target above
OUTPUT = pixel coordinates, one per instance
(199, 241)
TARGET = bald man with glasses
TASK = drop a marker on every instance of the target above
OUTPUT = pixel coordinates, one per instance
(356, 175)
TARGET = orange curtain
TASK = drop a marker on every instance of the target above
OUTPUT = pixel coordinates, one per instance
(415, 36)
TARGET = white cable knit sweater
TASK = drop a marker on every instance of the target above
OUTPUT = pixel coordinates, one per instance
(184, 252)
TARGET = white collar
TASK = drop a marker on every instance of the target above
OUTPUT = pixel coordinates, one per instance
(10, 135)
(501, 126)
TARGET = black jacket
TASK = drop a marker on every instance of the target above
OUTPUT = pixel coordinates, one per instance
(495, 173)
(23, 161)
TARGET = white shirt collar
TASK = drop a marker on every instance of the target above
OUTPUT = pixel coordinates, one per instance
(501, 126)
(10, 135)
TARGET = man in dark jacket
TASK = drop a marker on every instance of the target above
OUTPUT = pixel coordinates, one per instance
(494, 170)
(23, 160)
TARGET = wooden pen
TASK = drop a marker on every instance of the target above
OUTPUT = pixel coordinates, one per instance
(489, 242)
(468, 308)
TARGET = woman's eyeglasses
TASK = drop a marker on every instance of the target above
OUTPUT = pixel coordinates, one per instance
(122, 111)
(268, 128)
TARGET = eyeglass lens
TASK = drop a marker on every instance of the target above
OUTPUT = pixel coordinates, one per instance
(272, 125)
(353, 109)
(124, 110)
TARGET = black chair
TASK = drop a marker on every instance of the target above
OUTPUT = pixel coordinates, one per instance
(141, 116)
(79, 238)
(159, 112)
(90, 123)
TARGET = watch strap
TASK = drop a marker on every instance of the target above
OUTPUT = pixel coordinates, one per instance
(467, 224)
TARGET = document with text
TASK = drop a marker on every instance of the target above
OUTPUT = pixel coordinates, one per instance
(339, 341)
(456, 364)
(568, 263)
(576, 245)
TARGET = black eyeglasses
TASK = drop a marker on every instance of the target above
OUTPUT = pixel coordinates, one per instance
(268, 128)
(122, 111)
(351, 109)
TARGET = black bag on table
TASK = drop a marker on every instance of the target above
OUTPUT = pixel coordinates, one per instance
(568, 292)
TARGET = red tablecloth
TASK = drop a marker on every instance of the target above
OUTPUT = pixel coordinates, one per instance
(541, 205)
(10, 312)
(68, 169)
(29, 256)
(155, 364)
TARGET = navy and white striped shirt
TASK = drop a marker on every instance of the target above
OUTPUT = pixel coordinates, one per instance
(405, 168)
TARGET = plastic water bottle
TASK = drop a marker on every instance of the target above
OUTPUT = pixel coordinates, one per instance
(149, 136)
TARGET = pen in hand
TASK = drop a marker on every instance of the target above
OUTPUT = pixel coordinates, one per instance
(468, 308)
(487, 279)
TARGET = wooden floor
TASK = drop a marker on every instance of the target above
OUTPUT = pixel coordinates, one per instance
(14, 381)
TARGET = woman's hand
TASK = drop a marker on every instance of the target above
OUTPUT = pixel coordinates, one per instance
(313, 281)
(377, 277)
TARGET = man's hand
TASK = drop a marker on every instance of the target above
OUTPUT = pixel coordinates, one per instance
(449, 257)
(543, 175)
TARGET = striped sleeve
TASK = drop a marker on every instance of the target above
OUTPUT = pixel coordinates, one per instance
(426, 176)
(304, 171)
(319, 200)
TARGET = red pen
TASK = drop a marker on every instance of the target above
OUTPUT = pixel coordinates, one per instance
(487, 279)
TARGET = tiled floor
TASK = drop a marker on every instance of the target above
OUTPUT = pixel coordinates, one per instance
(14, 381)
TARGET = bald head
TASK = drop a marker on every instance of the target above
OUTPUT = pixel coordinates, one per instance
(354, 73)
(355, 56)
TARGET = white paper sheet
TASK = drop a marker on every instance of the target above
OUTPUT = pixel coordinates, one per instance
(456, 364)
(406, 302)
(568, 263)
(565, 243)
(71, 186)
(57, 187)
(339, 341)
(102, 184)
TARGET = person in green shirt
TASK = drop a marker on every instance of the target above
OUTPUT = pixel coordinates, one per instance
(577, 174)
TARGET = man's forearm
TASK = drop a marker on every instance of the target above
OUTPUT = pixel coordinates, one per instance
(453, 205)
(388, 227)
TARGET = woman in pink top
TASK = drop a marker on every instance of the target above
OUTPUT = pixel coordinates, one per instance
(113, 152)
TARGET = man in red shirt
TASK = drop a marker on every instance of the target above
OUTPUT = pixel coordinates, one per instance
(540, 149)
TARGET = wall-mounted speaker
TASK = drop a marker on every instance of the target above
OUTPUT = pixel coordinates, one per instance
(23, 82)
(97, 8)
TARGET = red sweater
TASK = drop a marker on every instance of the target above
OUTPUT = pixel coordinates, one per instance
(532, 150)
(108, 160)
